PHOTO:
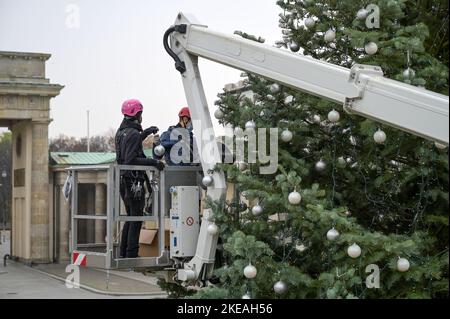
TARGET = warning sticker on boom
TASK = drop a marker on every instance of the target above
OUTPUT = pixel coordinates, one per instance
(190, 221)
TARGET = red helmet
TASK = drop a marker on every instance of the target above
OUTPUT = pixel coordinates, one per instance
(132, 107)
(184, 112)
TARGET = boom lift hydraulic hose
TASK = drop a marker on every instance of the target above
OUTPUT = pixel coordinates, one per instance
(182, 28)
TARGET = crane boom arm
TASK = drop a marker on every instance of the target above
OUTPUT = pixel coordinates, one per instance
(362, 90)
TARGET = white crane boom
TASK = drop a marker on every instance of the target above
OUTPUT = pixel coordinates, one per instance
(362, 90)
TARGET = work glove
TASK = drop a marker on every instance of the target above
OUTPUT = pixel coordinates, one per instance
(149, 131)
(158, 164)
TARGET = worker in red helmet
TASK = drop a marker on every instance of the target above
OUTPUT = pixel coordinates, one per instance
(129, 151)
(181, 138)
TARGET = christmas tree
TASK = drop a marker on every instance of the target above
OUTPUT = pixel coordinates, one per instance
(351, 198)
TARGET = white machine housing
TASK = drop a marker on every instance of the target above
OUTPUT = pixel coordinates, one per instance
(184, 221)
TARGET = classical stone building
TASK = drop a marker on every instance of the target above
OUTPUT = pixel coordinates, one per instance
(25, 95)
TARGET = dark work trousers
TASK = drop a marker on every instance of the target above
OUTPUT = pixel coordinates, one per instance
(129, 245)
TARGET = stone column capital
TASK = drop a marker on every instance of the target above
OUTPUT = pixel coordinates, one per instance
(43, 121)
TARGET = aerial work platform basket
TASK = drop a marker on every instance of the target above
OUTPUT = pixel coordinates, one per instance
(104, 254)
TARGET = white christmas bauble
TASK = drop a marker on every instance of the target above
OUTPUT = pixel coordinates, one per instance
(295, 198)
(310, 23)
(207, 181)
(247, 296)
(409, 73)
(218, 114)
(354, 251)
(330, 36)
(371, 48)
(321, 166)
(362, 14)
(332, 234)
(403, 265)
(342, 162)
(317, 119)
(379, 137)
(334, 116)
(250, 272)
(213, 229)
(257, 210)
(159, 150)
(286, 136)
(275, 88)
(270, 97)
(280, 287)
(440, 146)
(289, 99)
(250, 125)
(294, 47)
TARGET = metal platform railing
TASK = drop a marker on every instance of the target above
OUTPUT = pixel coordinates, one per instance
(105, 255)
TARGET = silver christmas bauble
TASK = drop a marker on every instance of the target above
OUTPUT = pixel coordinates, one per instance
(342, 162)
(332, 234)
(159, 150)
(329, 36)
(371, 48)
(295, 198)
(354, 251)
(289, 99)
(403, 265)
(334, 116)
(257, 210)
(287, 136)
(207, 181)
(250, 272)
(213, 229)
(362, 14)
(317, 119)
(409, 74)
(247, 296)
(280, 287)
(250, 125)
(321, 166)
(310, 23)
(440, 146)
(218, 114)
(379, 137)
(275, 88)
(294, 47)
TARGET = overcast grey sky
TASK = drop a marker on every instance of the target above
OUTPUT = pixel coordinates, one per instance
(117, 53)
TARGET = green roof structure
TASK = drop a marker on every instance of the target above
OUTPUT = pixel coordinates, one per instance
(80, 158)
(58, 159)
